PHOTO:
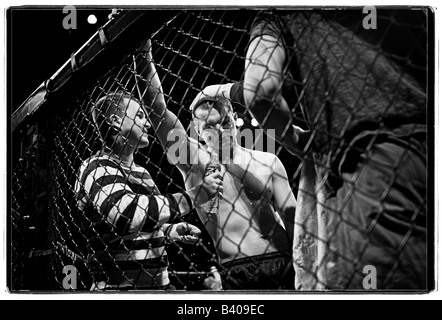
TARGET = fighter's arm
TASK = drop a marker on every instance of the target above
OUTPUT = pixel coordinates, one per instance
(283, 198)
(165, 123)
(216, 90)
(262, 92)
(271, 112)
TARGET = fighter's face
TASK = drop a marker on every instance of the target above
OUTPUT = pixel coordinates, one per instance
(135, 125)
(216, 128)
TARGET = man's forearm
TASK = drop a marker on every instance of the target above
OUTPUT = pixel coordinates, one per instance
(236, 93)
(163, 120)
(276, 115)
(151, 91)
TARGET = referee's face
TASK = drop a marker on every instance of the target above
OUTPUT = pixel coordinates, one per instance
(135, 124)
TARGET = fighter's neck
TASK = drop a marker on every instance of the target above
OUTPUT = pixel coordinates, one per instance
(227, 155)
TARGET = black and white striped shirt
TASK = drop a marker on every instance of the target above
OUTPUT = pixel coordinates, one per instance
(124, 215)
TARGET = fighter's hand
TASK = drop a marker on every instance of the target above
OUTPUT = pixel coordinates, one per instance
(147, 49)
(211, 186)
(145, 66)
(296, 143)
(199, 97)
(183, 232)
(216, 90)
(213, 282)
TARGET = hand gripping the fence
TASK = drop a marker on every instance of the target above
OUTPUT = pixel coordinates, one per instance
(213, 91)
(206, 190)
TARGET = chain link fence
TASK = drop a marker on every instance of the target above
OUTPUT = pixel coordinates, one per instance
(192, 50)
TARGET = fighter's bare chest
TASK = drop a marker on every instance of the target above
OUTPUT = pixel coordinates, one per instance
(246, 183)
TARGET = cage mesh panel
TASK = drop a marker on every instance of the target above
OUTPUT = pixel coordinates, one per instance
(20, 201)
(194, 50)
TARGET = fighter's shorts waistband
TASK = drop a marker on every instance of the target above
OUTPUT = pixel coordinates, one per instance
(255, 259)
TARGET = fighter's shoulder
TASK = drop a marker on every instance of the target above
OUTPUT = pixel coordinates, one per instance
(262, 156)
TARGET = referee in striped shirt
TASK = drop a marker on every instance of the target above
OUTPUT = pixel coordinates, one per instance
(126, 220)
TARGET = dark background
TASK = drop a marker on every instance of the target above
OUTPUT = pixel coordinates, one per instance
(38, 44)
